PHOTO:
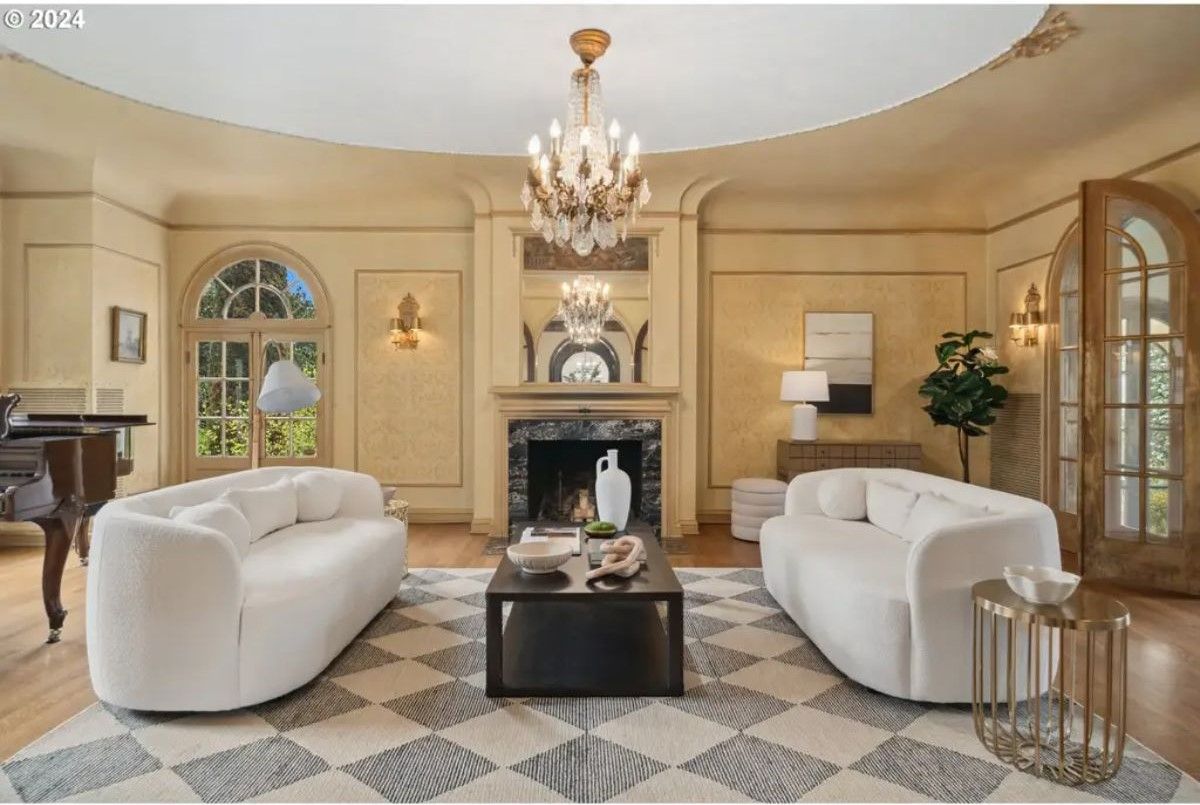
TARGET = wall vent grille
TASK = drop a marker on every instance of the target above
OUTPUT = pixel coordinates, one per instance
(110, 401)
(52, 399)
(1016, 446)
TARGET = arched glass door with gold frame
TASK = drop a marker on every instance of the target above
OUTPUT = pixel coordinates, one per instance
(1063, 380)
(1139, 440)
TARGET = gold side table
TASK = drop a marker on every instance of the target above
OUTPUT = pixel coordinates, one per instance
(396, 508)
(1033, 704)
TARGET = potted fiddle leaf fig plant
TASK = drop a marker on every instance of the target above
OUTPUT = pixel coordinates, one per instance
(961, 392)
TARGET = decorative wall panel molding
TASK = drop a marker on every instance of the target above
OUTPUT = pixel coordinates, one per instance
(408, 414)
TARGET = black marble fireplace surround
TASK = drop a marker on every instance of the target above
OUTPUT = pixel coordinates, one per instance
(623, 434)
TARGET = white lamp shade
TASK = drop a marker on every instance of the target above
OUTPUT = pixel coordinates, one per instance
(805, 386)
(286, 389)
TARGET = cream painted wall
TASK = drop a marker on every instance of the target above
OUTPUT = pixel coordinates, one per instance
(338, 255)
(755, 287)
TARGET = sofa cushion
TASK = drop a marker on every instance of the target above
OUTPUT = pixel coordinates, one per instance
(888, 506)
(932, 512)
(843, 496)
(267, 508)
(220, 516)
(318, 496)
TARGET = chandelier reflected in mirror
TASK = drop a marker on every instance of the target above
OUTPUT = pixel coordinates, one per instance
(584, 191)
(584, 308)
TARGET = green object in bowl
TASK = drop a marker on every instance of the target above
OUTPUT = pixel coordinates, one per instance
(600, 528)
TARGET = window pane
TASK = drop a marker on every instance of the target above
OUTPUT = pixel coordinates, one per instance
(272, 304)
(237, 437)
(238, 274)
(1164, 510)
(1068, 491)
(305, 356)
(208, 398)
(237, 359)
(212, 301)
(1120, 252)
(208, 359)
(304, 432)
(1122, 439)
(1157, 236)
(1122, 507)
(1123, 372)
(1068, 428)
(1070, 265)
(1164, 372)
(1123, 305)
(208, 437)
(1069, 321)
(1068, 376)
(243, 304)
(237, 398)
(278, 438)
(300, 298)
(1164, 440)
(273, 274)
(1165, 300)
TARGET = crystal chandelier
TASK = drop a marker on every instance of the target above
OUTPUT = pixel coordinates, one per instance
(584, 308)
(584, 188)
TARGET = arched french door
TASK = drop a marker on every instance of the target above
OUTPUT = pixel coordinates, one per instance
(1138, 440)
(1063, 376)
(245, 309)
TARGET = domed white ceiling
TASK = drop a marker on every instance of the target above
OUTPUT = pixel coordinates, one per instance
(480, 80)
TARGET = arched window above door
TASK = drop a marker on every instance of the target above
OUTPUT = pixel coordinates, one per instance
(261, 283)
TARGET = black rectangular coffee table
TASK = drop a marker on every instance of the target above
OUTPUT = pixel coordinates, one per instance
(568, 637)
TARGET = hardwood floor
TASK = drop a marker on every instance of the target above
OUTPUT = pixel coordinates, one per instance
(42, 686)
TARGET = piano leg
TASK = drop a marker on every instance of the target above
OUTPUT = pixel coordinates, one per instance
(58, 545)
(83, 541)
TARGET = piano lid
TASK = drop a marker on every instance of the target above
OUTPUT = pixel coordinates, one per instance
(26, 425)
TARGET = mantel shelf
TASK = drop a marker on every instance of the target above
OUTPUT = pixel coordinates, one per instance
(586, 391)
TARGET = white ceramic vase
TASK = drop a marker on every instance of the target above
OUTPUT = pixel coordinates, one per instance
(613, 491)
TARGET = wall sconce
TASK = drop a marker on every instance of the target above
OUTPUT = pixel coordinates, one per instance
(406, 327)
(1023, 327)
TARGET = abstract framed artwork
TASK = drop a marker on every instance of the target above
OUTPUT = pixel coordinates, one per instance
(843, 346)
(128, 335)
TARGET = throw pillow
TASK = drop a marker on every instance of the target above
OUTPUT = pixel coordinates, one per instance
(843, 496)
(219, 516)
(933, 512)
(268, 508)
(318, 495)
(888, 506)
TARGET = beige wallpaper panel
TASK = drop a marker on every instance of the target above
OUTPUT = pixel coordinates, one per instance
(409, 402)
(757, 332)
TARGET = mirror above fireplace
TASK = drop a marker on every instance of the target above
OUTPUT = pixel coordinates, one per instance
(619, 352)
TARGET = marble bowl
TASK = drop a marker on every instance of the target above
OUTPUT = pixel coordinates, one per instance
(539, 557)
(1041, 585)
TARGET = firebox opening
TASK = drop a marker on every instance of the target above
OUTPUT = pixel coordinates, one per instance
(562, 476)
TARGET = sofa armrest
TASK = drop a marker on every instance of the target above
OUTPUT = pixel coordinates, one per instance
(801, 495)
(164, 603)
(362, 495)
(941, 570)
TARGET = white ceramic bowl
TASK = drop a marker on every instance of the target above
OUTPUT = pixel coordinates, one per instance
(539, 557)
(1041, 585)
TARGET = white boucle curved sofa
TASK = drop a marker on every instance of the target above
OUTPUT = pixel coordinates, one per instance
(892, 614)
(178, 619)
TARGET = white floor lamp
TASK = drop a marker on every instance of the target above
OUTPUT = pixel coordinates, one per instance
(285, 389)
(803, 388)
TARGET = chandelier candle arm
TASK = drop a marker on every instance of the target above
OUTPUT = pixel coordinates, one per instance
(579, 193)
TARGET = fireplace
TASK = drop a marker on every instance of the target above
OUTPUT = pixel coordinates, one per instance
(552, 461)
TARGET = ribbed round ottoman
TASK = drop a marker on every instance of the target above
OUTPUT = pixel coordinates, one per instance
(754, 501)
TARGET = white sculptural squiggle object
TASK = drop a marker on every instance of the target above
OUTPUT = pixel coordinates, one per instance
(622, 557)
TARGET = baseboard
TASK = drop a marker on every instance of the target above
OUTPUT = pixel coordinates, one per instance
(21, 535)
(482, 526)
(689, 528)
(439, 515)
(721, 516)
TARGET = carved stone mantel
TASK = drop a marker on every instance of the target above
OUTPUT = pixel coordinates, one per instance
(587, 401)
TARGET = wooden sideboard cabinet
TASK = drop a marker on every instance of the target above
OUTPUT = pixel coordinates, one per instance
(793, 458)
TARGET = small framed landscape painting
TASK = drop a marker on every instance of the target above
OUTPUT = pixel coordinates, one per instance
(128, 335)
(843, 346)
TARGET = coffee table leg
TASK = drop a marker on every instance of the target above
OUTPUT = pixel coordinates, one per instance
(675, 646)
(495, 646)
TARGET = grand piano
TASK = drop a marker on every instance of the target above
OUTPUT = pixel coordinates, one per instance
(56, 471)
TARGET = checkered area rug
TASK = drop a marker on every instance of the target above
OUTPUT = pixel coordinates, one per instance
(401, 716)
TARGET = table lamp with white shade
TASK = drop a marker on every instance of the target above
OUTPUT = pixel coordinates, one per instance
(803, 388)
